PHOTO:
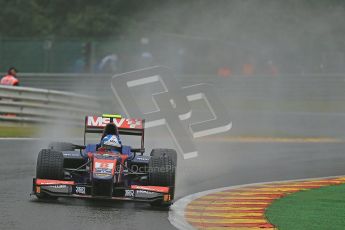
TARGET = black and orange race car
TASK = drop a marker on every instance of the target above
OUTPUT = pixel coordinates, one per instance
(91, 171)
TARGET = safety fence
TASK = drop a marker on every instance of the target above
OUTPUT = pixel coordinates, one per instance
(32, 105)
(296, 87)
(300, 105)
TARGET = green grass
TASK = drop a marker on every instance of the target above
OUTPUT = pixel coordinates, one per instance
(41, 131)
(322, 208)
(16, 131)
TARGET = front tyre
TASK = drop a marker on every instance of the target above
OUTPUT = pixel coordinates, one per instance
(49, 166)
(166, 152)
(162, 170)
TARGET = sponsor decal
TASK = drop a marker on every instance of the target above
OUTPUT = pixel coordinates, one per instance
(57, 186)
(151, 188)
(102, 175)
(129, 193)
(145, 192)
(107, 171)
(142, 158)
(104, 165)
(126, 123)
(53, 182)
(80, 190)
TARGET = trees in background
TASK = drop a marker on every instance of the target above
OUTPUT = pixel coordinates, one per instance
(226, 19)
(292, 32)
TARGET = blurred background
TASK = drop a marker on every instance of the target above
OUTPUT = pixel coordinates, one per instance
(264, 57)
(193, 37)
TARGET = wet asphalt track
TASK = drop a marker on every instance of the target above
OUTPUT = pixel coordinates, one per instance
(219, 164)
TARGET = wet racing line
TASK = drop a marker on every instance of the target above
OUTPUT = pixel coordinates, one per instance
(237, 163)
(19, 210)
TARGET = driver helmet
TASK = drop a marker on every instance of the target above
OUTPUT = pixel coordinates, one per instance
(111, 142)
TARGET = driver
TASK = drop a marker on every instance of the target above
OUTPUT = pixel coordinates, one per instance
(111, 136)
(111, 143)
(110, 129)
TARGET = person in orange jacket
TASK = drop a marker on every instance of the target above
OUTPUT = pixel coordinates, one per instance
(10, 78)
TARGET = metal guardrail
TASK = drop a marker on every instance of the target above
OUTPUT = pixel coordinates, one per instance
(274, 89)
(289, 86)
(31, 105)
(264, 96)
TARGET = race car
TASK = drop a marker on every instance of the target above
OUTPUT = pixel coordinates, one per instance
(97, 172)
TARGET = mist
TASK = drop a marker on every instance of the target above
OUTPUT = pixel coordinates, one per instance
(297, 36)
(304, 42)
(293, 87)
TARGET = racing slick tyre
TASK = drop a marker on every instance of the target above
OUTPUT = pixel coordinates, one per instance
(49, 166)
(162, 169)
(169, 152)
(62, 146)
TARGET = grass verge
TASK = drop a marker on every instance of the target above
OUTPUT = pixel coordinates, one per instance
(322, 208)
(17, 131)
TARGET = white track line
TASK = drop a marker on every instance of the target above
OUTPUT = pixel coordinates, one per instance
(43, 138)
(176, 213)
(19, 138)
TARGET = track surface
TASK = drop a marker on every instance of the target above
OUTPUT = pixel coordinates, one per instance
(20, 211)
(219, 164)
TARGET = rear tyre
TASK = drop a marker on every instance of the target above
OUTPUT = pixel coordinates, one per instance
(62, 146)
(49, 166)
(162, 169)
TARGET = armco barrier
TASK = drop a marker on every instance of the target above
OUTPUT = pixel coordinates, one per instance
(297, 105)
(23, 104)
(288, 86)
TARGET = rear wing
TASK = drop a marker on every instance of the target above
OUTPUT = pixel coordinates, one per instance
(126, 126)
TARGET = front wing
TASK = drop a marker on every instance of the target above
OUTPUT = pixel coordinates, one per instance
(61, 188)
